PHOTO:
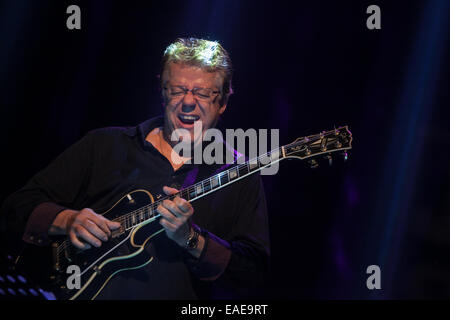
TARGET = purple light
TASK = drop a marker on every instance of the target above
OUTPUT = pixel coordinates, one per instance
(339, 254)
(351, 192)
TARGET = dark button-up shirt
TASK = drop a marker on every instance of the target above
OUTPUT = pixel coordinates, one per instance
(108, 163)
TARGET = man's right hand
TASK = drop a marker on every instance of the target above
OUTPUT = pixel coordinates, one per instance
(85, 228)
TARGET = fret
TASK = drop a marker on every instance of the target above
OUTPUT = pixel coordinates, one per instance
(184, 194)
(206, 185)
(215, 181)
(133, 219)
(275, 155)
(224, 178)
(150, 212)
(192, 194)
(234, 173)
(254, 163)
(199, 189)
(142, 215)
(242, 169)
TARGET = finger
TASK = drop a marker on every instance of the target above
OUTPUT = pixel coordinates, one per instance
(172, 207)
(166, 214)
(77, 243)
(183, 205)
(169, 191)
(107, 225)
(101, 222)
(82, 233)
(167, 225)
(94, 229)
(113, 225)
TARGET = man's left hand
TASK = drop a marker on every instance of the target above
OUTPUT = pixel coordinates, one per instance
(175, 216)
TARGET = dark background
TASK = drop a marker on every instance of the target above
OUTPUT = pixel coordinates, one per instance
(301, 68)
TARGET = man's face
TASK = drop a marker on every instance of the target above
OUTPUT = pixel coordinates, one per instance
(182, 111)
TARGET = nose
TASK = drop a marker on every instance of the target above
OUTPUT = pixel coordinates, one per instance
(188, 102)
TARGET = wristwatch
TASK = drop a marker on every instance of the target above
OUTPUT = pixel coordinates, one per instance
(192, 241)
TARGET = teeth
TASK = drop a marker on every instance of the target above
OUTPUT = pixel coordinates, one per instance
(189, 117)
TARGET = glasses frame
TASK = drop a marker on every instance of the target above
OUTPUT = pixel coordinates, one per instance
(194, 91)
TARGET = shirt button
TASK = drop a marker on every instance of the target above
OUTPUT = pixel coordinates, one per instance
(31, 238)
(39, 240)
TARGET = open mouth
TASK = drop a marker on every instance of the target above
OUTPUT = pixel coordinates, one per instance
(188, 119)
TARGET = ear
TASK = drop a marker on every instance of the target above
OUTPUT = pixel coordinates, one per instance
(163, 96)
(222, 108)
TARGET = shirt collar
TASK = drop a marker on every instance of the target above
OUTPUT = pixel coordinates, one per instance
(144, 128)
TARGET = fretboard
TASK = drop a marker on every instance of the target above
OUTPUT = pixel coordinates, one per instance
(200, 189)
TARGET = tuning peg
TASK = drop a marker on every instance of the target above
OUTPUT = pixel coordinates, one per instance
(313, 163)
(330, 159)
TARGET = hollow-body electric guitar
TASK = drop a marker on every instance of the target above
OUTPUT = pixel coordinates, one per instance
(82, 274)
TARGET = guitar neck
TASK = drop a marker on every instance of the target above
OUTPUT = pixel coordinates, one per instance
(325, 143)
(229, 176)
(207, 186)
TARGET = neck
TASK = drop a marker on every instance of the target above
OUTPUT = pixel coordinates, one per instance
(165, 136)
(157, 138)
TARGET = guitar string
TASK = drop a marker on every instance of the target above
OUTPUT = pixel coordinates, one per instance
(143, 210)
(238, 167)
(150, 208)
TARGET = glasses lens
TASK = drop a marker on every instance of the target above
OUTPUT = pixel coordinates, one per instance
(176, 91)
(199, 93)
(203, 93)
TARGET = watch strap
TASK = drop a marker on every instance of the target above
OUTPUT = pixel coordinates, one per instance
(192, 241)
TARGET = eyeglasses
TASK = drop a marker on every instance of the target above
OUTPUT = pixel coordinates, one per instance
(205, 94)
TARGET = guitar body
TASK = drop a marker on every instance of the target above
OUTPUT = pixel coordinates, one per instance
(126, 250)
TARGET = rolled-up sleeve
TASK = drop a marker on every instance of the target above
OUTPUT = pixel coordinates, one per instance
(213, 260)
(39, 222)
(241, 257)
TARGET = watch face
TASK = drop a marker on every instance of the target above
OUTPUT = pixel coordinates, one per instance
(193, 241)
(192, 244)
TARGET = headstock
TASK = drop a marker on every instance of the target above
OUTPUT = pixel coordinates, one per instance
(323, 144)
